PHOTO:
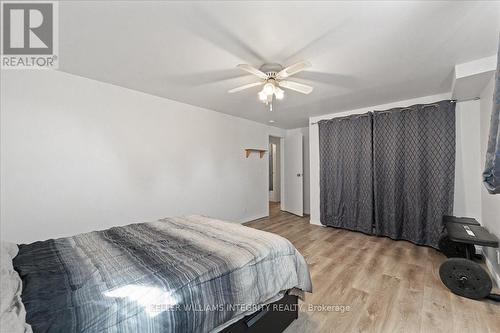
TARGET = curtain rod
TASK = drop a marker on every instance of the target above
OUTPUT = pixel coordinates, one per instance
(451, 100)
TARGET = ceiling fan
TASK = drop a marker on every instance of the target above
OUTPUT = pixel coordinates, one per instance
(273, 78)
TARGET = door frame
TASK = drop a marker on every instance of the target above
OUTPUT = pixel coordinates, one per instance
(282, 176)
(283, 193)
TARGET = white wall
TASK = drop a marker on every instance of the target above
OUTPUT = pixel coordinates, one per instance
(468, 167)
(467, 132)
(490, 204)
(80, 155)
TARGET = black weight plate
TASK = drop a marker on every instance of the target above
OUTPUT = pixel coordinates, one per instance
(452, 249)
(465, 278)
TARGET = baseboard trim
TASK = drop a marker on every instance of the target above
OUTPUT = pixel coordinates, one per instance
(253, 218)
(489, 265)
(315, 222)
(493, 273)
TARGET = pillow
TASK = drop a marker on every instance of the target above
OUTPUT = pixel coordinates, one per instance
(7, 252)
(12, 311)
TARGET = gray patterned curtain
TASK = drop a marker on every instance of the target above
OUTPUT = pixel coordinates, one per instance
(346, 189)
(491, 174)
(414, 171)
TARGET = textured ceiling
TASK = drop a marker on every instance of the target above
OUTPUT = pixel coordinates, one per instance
(361, 53)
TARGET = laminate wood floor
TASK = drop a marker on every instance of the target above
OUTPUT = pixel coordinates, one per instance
(390, 286)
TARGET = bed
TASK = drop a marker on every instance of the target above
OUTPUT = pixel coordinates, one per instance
(184, 274)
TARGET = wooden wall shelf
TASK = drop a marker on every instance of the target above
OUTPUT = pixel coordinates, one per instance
(261, 152)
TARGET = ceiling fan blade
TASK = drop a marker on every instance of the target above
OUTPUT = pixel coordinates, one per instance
(246, 86)
(253, 70)
(290, 70)
(301, 88)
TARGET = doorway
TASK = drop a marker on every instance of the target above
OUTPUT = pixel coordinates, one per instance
(275, 165)
(285, 158)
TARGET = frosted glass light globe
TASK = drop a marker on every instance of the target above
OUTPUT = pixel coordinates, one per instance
(269, 88)
(279, 93)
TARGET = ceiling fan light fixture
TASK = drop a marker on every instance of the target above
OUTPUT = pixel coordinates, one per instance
(279, 93)
(271, 78)
(262, 96)
(269, 88)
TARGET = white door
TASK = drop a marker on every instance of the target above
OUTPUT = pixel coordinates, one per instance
(293, 169)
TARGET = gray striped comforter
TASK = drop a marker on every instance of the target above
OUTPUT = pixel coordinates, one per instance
(186, 274)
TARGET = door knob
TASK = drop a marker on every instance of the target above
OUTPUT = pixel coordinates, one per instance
(298, 175)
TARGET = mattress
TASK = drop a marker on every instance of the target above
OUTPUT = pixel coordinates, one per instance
(183, 274)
